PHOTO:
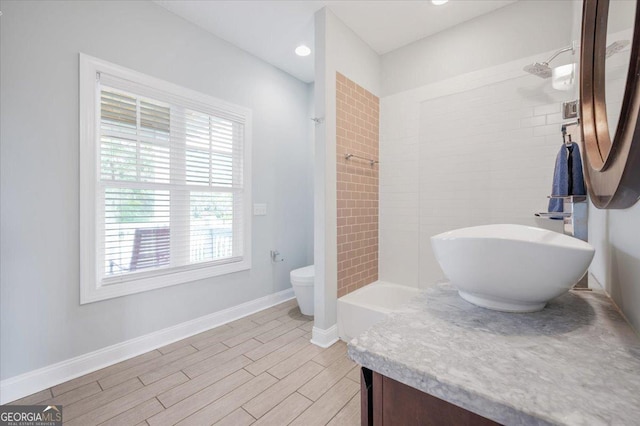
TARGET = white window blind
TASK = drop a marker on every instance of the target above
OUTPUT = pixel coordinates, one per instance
(170, 192)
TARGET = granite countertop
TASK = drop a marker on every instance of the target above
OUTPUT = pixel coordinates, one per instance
(577, 362)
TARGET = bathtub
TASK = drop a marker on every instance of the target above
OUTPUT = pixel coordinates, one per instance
(364, 307)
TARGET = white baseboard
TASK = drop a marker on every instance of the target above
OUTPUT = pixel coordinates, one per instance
(324, 338)
(34, 381)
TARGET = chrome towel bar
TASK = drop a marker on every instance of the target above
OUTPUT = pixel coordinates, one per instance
(370, 160)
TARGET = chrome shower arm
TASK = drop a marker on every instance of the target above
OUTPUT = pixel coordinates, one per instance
(572, 47)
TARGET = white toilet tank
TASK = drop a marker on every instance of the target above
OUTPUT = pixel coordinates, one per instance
(302, 282)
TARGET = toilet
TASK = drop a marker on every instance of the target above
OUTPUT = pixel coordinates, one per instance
(302, 282)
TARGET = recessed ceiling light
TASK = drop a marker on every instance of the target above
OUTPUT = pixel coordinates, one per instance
(303, 50)
(439, 2)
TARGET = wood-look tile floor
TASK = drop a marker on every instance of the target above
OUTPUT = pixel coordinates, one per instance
(258, 370)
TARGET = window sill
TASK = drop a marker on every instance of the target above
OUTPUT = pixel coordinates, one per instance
(90, 292)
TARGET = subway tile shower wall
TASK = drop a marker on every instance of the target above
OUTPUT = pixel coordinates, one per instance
(463, 152)
(357, 133)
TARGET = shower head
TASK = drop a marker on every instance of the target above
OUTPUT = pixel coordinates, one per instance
(615, 47)
(542, 70)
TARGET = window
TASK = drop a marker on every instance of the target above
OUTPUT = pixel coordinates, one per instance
(165, 183)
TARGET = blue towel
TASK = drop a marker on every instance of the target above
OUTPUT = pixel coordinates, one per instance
(577, 177)
(560, 184)
(568, 178)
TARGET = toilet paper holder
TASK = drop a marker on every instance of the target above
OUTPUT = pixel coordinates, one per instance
(275, 256)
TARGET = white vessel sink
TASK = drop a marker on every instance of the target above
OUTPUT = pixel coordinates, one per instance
(512, 268)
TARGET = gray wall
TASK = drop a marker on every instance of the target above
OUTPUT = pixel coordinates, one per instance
(616, 265)
(521, 29)
(41, 320)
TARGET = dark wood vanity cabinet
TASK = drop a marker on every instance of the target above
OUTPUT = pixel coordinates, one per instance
(385, 401)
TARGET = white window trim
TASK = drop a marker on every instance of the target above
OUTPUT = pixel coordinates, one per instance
(90, 288)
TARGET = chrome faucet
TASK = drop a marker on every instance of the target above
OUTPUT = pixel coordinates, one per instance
(575, 224)
(574, 217)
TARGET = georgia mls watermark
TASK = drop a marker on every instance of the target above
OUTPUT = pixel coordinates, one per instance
(31, 415)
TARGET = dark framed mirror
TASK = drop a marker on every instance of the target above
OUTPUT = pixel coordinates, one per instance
(610, 101)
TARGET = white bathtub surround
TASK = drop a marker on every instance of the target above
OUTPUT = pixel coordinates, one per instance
(511, 268)
(527, 369)
(474, 149)
(359, 310)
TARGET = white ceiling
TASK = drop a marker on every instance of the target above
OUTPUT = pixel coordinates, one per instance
(271, 29)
